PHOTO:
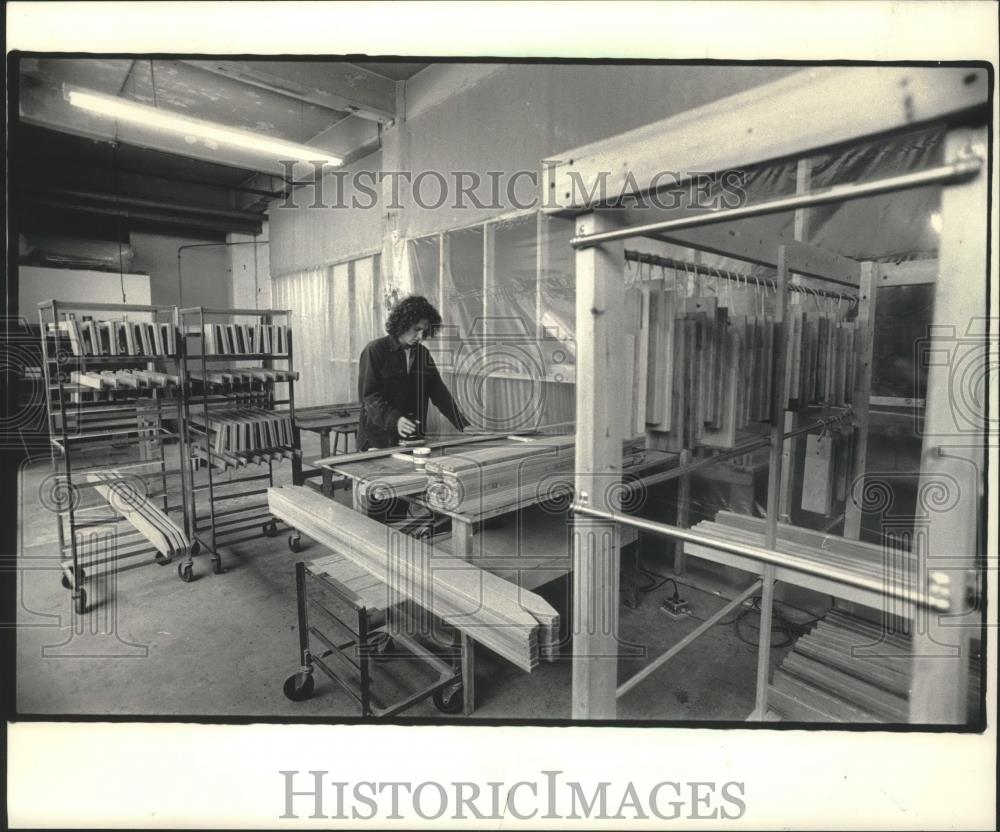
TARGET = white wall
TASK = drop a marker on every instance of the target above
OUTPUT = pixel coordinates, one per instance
(36, 284)
(205, 270)
(249, 270)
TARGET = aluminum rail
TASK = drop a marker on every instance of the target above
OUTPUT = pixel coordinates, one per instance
(938, 581)
(957, 171)
(707, 624)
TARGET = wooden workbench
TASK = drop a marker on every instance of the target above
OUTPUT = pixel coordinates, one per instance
(324, 420)
(528, 544)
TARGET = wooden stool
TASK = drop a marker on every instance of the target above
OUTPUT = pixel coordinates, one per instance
(345, 432)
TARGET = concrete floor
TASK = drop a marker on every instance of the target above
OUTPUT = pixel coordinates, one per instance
(222, 645)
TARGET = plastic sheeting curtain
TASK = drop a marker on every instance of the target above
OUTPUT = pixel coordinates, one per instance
(307, 294)
(334, 315)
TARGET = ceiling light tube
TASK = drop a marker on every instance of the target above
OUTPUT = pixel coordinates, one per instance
(143, 114)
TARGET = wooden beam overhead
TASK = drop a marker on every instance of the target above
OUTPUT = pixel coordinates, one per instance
(338, 86)
(814, 109)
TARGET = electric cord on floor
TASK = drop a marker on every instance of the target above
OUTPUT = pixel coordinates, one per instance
(780, 624)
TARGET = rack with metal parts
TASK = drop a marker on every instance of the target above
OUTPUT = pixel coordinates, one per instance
(238, 422)
(114, 399)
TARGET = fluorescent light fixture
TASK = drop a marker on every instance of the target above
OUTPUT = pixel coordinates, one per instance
(125, 110)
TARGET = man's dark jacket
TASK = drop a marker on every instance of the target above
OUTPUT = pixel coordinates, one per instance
(387, 391)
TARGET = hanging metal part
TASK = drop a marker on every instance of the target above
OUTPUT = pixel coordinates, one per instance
(958, 171)
(773, 557)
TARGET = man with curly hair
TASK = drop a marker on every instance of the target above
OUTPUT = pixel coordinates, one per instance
(397, 377)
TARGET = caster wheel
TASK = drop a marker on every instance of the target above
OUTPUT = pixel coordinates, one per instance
(270, 529)
(299, 686)
(449, 700)
(381, 644)
(195, 549)
(217, 567)
(185, 571)
(80, 575)
(295, 542)
(81, 602)
(162, 559)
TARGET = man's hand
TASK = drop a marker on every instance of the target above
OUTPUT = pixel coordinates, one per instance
(406, 427)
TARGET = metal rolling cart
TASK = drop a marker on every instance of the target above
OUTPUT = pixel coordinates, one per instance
(229, 368)
(110, 385)
(355, 626)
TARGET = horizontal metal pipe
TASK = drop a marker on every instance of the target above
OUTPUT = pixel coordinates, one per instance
(219, 224)
(118, 199)
(706, 625)
(767, 556)
(943, 174)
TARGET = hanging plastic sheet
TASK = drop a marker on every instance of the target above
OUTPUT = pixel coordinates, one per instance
(307, 294)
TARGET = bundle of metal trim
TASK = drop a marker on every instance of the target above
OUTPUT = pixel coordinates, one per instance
(513, 622)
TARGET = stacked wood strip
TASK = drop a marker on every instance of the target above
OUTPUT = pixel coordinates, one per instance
(515, 623)
(124, 379)
(241, 429)
(709, 370)
(148, 519)
(245, 339)
(491, 479)
(233, 376)
(848, 669)
(894, 566)
(124, 338)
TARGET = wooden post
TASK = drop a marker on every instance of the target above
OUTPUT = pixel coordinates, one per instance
(793, 446)
(683, 510)
(779, 396)
(541, 270)
(859, 398)
(953, 455)
(488, 330)
(600, 307)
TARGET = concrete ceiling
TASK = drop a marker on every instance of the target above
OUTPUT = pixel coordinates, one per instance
(337, 106)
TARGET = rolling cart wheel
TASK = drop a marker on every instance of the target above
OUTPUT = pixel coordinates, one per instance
(185, 571)
(162, 559)
(81, 602)
(295, 542)
(381, 644)
(270, 529)
(80, 575)
(217, 567)
(299, 686)
(449, 700)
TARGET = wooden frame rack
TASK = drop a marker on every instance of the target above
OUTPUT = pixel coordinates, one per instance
(808, 112)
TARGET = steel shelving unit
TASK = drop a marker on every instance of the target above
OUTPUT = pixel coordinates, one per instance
(87, 425)
(227, 489)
